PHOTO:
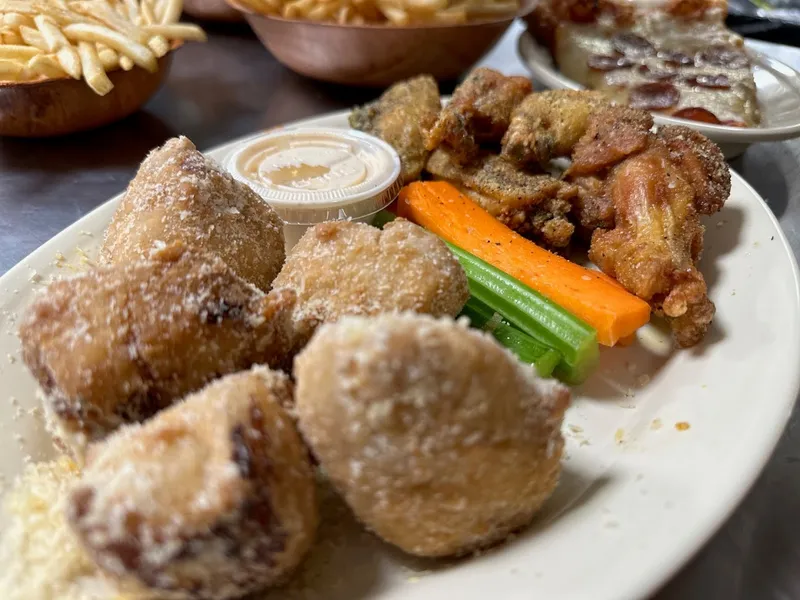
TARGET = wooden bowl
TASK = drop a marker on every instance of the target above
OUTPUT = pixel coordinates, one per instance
(376, 55)
(212, 10)
(60, 106)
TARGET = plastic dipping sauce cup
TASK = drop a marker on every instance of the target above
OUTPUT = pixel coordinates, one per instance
(314, 175)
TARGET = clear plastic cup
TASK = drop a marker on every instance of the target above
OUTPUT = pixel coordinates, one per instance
(312, 175)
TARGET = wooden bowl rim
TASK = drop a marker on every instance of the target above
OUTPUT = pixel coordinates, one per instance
(525, 9)
(53, 81)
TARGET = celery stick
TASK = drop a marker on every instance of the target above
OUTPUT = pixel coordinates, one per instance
(531, 312)
(527, 349)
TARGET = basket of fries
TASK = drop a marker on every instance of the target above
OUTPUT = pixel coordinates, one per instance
(379, 42)
(67, 66)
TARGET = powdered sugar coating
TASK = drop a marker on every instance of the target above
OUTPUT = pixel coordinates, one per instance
(438, 438)
(179, 195)
(346, 268)
(211, 499)
(118, 343)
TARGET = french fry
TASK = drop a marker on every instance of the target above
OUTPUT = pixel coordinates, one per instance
(17, 52)
(177, 31)
(139, 54)
(159, 45)
(132, 8)
(108, 57)
(32, 37)
(100, 11)
(53, 37)
(70, 61)
(13, 19)
(12, 38)
(170, 11)
(43, 65)
(93, 71)
(148, 18)
(90, 38)
(10, 70)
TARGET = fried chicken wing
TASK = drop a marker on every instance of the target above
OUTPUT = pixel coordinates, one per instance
(547, 125)
(656, 242)
(180, 196)
(611, 134)
(534, 205)
(119, 343)
(702, 162)
(479, 112)
(402, 117)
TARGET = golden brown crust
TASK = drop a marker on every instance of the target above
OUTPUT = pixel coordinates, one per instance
(703, 163)
(345, 268)
(211, 499)
(657, 239)
(439, 440)
(119, 343)
(179, 195)
(548, 124)
(534, 205)
(479, 112)
(402, 117)
(611, 135)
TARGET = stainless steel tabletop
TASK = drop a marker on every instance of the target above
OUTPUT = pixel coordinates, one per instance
(232, 86)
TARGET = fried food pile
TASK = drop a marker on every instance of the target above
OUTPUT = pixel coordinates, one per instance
(168, 374)
(635, 194)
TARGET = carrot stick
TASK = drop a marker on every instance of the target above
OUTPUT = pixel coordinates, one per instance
(606, 306)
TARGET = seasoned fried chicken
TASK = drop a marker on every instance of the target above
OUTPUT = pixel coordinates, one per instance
(547, 125)
(479, 112)
(534, 205)
(402, 117)
(611, 134)
(654, 247)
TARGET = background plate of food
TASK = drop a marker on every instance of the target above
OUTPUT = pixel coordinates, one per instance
(115, 321)
(684, 65)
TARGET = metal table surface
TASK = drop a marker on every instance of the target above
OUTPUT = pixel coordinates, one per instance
(232, 86)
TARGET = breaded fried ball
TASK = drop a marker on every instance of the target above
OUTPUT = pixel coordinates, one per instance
(439, 440)
(346, 268)
(179, 195)
(119, 343)
(211, 499)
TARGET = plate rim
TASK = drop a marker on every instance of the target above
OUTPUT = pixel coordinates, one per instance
(651, 578)
(528, 46)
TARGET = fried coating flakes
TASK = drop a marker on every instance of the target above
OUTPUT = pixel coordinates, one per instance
(179, 195)
(547, 125)
(402, 117)
(478, 113)
(211, 499)
(611, 135)
(119, 343)
(346, 268)
(439, 440)
(534, 205)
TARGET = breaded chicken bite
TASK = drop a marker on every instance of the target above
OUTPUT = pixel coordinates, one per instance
(345, 268)
(119, 343)
(439, 440)
(211, 499)
(179, 195)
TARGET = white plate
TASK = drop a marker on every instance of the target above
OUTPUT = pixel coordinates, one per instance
(635, 500)
(777, 86)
